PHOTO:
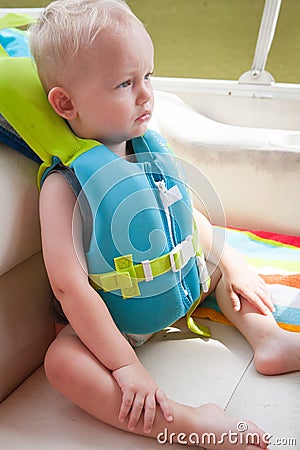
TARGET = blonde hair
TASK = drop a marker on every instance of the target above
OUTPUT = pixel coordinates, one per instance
(66, 27)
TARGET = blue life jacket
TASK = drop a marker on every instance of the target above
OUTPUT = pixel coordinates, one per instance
(144, 247)
(144, 254)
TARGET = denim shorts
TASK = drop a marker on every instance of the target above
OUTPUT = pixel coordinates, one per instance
(10, 137)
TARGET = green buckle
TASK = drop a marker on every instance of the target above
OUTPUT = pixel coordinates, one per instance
(111, 281)
(124, 266)
(124, 278)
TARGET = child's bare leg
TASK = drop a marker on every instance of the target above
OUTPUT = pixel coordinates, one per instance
(79, 376)
(275, 350)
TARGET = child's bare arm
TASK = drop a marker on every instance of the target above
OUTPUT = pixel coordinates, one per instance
(240, 280)
(86, 312)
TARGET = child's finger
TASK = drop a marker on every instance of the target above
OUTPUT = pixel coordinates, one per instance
(266, 298)
(126, 404)
(163, 402)
(149, 413)
(235, 300)
(260, 299)
(257, 302)
(136, 411)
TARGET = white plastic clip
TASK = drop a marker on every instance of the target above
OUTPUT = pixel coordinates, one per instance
(185, 251)
(172, 258)
(147, 270)
(203, 273)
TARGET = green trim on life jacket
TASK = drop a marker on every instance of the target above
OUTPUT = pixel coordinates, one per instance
(34, 119)
(15, 20)
(3, 53)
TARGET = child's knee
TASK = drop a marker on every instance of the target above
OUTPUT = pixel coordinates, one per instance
(53, 364)
(59, 363)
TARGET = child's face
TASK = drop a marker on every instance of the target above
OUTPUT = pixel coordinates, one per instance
(113, 96)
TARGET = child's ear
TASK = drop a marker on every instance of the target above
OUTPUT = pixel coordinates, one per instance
(62, 103)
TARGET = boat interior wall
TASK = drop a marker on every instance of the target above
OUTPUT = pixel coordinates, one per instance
(244, 111)
(26, 328)
(253, 171)
(274, 106)
(33, 12)
(19, 224)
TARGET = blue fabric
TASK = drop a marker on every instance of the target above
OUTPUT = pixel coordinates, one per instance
(15, 42)
(129, 218)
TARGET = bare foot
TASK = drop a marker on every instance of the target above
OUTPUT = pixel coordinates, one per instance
(279, 354)
(208, 426)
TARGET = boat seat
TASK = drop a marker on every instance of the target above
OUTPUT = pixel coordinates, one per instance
(254, 172)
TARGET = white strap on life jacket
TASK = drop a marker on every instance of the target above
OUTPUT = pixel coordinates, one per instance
(170, 196)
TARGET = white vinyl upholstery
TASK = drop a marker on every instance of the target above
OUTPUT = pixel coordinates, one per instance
(254, 172)
(190, 369)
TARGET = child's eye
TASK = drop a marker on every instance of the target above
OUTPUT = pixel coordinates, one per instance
(148, 75)
(125, 84)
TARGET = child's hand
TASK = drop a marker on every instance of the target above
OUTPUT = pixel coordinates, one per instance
(140, 394)
(241, 281)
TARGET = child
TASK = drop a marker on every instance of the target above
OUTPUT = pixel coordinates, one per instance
(95, 60)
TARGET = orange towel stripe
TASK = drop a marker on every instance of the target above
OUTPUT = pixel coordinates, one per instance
(286, 280)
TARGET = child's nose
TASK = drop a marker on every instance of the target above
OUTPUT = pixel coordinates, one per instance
(145, 94)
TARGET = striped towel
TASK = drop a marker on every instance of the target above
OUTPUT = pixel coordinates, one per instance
(276, 258)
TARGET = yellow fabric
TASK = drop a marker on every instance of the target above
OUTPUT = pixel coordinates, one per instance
(15, 20)
(3, 53)
(34, 119)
